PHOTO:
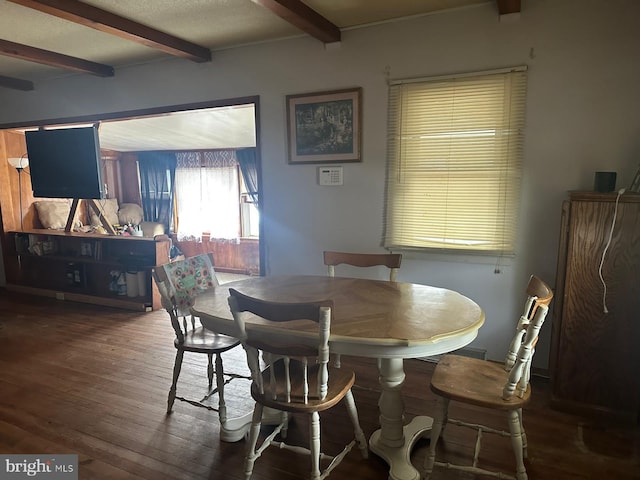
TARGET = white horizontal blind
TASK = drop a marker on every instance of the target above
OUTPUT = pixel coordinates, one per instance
(455, 162)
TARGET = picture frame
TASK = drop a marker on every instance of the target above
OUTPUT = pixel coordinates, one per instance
(325, 127)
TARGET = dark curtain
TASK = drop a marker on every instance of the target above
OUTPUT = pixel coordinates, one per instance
(157, 174)
(248, 165)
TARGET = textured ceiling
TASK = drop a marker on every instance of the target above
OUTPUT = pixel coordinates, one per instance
(214, 24)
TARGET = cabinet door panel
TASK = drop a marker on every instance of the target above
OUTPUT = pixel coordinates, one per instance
(597, 356)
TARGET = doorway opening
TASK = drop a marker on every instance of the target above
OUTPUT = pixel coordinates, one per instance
(211, 141)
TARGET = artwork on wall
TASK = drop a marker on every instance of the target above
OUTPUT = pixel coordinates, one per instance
(324, 127)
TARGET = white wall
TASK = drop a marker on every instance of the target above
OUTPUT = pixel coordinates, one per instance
(582, 116)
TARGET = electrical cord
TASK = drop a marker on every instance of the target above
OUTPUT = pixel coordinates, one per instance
(604, 252)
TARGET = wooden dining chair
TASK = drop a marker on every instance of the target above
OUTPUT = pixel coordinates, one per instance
(497, 386)
(179, 283)
(389, 260)
(296, 380)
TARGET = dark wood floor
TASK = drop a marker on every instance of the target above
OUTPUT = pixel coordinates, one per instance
(93, 381)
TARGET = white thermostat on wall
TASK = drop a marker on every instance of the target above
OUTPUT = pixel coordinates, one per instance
(330, 175)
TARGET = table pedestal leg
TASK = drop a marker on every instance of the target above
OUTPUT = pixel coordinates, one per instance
(234, 429)
(393, 442)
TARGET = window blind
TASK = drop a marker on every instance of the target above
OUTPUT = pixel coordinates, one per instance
(455, 162)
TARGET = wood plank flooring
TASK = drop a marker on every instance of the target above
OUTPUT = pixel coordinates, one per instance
(93, 381)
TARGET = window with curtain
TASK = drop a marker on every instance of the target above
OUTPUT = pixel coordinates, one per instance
(455, 162)
(157, 174)
(207, 194)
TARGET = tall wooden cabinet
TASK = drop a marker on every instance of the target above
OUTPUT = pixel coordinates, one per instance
(595, 348)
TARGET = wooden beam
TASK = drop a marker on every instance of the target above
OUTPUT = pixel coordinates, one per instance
(16, 83)
(303, 17)
(505, 6)
(53, 59)
(108, 22)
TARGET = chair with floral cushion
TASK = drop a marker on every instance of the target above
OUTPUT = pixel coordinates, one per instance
(179, 283)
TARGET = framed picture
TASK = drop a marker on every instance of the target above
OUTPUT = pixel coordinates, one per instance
(324, 127)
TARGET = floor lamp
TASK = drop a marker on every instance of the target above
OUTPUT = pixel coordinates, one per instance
(20, 164)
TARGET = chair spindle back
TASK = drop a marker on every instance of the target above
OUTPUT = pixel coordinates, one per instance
(522, 347)
(281, 353)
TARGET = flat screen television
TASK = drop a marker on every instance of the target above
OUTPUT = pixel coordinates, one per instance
(65, 163)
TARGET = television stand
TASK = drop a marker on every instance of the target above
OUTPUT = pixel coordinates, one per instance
(85, 267)
(73, 213)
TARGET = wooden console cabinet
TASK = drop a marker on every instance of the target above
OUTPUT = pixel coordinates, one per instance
(82, 267)
(595, 354)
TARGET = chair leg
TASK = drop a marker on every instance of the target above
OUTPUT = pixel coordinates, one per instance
(222, 405)
(254, 432)
(517, 444)
(445, 418)
(336, 360)
(210, 370)
(439, 420)
(314, 445)
(524, 434)
(353, 415)
(177, 365)
(285, 425)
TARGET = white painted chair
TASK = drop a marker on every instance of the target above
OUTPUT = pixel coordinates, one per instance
(492, 385)
(389, 260)
(296, 380)
(179, 283)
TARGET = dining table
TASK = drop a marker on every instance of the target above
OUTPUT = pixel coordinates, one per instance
(389, 321)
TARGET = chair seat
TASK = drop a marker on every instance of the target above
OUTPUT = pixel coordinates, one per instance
(474, 381)
(201, 340)
(341, 381)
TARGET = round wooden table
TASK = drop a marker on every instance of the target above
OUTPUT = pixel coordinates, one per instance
(390, 321)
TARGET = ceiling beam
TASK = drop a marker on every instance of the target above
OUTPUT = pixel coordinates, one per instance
(303, 17)
(16, 83)
(505, 7)
(108, 22)
(53, 59)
